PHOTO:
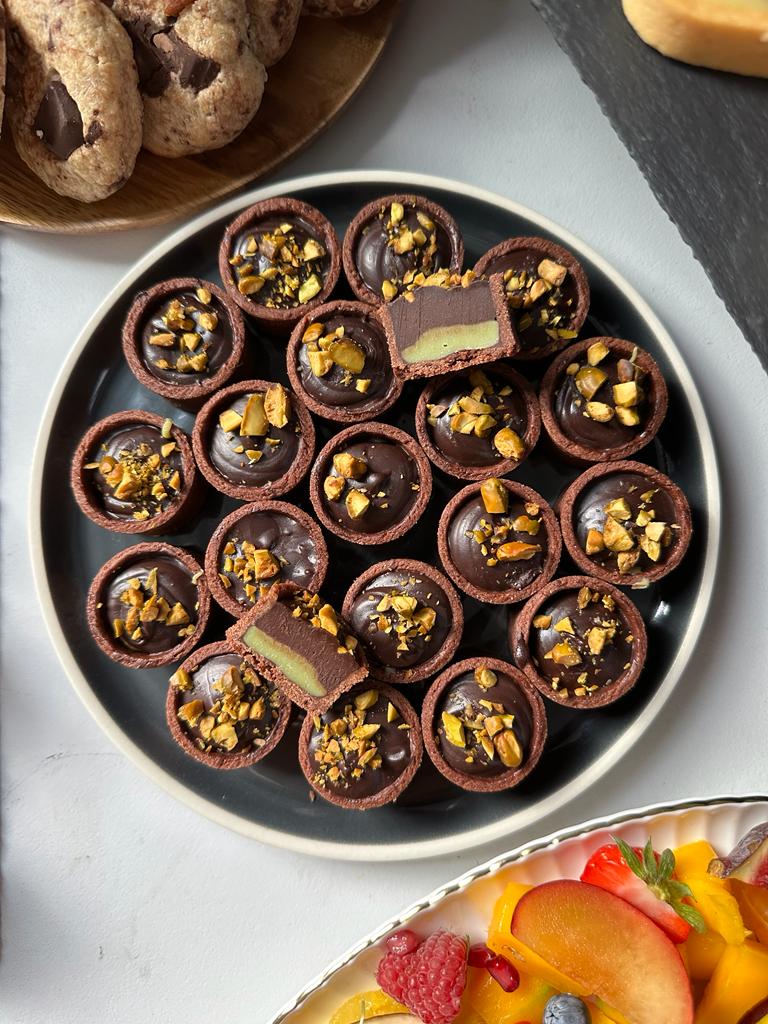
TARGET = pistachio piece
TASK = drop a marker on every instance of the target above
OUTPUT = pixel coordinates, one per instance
(627, 560)
(594, 543)
(589, 380)
(357, 503)
(563, 654)
(313, 333)
(517, 551)
(542, 621)
(191, 712)
(310, 288)
(617, 537)
(509, 444)
(564, 625)
(454, 729)
(508, 748)
(254, 422)
(618, 509)
(349, 466)
(333, 487)
(485, 677)
(494, 495)
(626, 394)
(600, 412)
(627, 417)
(251, 284)
(320, 362)
(597, 352)
(553, 273)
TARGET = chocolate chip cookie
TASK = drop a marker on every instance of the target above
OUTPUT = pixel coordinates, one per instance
(274, 24)
(199, 72)
(337, 8)
(74, 106)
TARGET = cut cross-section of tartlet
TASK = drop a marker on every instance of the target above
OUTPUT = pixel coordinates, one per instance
(184, 340)
(258, 545)
(408, 618)
(222, 712)
(546, 292)
(625, 522)
(484, 725)
(499, 541)
(302, 645)
(253, 440)
(396, 241)
(339, 364)
(478, 423)
(580, 641)
(148, 605)
(602, 399)
(279, 259)
(370, 483)
(364, 750)
(134, 472)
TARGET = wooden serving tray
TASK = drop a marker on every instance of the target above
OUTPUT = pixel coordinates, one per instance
(303, 96)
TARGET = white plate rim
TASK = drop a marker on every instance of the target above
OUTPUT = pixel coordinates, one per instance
(424, 848)
(712, 805)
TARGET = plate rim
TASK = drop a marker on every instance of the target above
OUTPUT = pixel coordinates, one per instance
(419, 849)
(488, 868)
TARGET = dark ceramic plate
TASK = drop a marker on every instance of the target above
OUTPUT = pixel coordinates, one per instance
(271, 802)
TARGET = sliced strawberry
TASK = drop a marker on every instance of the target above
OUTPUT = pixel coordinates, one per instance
(646, 880)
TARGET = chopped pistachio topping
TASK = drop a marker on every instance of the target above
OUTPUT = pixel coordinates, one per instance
(347, 746)
(402, 616)
(146, 608)
(633, 536)
(182, 334)
(600, 399)
(279, 271)
(141, 476)
(538, 300)
(484, 729)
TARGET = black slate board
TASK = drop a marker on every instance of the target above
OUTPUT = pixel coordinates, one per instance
(700, 137)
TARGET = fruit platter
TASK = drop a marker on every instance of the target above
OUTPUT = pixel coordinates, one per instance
(646, 918)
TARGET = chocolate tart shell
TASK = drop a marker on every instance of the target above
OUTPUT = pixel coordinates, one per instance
(279, 321)
(657, 397)
(212, 554)
(208, 417)
(548, 250)
(569, 498)
(319, 472)
(222, 762)
(438, 214)
(175, 516)
(504, 466)
(452, 641)
(103, 636)
(520, 626)
(511, 596)
(188, 396)
(339, 413)
(394, 789)
(476, 783)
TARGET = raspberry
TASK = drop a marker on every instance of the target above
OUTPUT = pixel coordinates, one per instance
(429, 980)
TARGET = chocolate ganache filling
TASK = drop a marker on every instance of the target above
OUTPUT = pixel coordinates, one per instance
(136, 472)
(344, 361)
(280, 262)
(256, 438)
(186, 337)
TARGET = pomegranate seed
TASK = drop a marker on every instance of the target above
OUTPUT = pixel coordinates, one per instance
(403, 942)
(503, 972)
(480, 955)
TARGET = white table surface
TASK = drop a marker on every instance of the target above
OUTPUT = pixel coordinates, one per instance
(121, 905)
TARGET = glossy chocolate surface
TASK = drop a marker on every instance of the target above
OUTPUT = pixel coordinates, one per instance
(136, 447)
(394, 631)
(196, 318)
(570, 405)
(462, 698)
(338, 386)
(58, 122)
(355, 781)
(278, 448)
(259, 249)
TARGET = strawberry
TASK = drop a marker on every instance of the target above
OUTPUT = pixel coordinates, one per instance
(646, 880)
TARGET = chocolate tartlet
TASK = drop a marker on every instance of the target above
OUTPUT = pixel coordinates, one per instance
(625, 522)
(148, 605)
(395, 239)
(222, 712)
(407, 616)
(279, 259)
(370, 483)
(258, 545)
(448, 323)
(184, 339)
(484, 725)
(253, 440)
(499, 541)
(580, 641)
(301, 645)
(133, 472)
(364, 750)
(479, 423)
(602, 399)
(339, 364)
(546, 290)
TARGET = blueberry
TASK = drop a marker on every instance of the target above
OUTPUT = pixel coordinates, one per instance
(565, 1009)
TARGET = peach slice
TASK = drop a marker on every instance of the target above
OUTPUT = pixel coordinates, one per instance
(740, 981)
(712, 899)
(753, 904)
(702, 953)
(609, 948)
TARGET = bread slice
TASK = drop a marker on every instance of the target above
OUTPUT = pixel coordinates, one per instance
(730, 35)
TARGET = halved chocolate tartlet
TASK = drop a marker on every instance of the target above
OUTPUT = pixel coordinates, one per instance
(580, 641)
(370, 483)
(546, 290)
(602, 399)
(302, 645)
(407, 616)
(258, 545)
(339, 364)
(478, 423)
(148, 605)
(499, 541)
(134, 472)
(221, 712)
(484, 725)
(184, 340)
(393, 240)
(253, 440)
(364, 750)
(625, 522)
(279, 259)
